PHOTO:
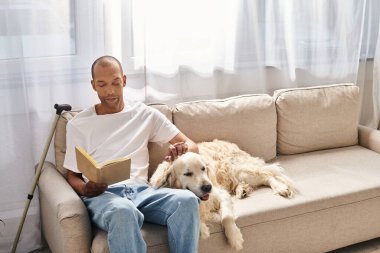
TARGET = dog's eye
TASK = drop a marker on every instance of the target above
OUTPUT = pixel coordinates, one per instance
(188, 174)
(203, 169)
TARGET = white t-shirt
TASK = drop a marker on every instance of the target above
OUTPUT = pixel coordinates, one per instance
(122, 134)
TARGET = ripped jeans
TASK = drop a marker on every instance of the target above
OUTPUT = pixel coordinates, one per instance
(122, 209)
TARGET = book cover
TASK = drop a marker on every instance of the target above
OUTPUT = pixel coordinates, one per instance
(109, 172)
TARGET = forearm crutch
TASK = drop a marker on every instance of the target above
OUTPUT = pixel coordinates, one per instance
(59, 109)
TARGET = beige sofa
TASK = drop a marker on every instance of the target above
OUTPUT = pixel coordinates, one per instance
(312, 132)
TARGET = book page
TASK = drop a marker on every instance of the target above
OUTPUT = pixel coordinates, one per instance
(116, 171)
(86, 164)
(113, 161)
(109, 172)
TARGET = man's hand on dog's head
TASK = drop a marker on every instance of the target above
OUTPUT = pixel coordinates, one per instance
(176, 150)
(92, 189)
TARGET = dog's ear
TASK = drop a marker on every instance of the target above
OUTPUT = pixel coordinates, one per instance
(161, 177)
(211, 172)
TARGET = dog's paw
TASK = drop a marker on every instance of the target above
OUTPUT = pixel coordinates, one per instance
(284, 190)
(243, 190)
(204, 231)
(233, 234)
(235, 238)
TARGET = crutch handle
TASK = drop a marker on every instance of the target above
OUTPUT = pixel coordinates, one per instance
(61, 108)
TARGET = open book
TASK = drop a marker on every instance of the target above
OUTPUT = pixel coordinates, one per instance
(109, 172)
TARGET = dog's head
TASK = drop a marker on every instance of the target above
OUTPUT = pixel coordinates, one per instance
(188, 171)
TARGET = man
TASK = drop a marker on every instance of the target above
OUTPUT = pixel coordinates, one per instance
(113, 129)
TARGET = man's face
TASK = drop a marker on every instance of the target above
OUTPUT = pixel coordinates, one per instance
(109, 82)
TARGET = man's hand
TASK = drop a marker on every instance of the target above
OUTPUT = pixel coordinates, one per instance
(176, 150)
(89, 189)
(92, 189)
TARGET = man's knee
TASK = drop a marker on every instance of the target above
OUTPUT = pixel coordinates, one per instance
(188, 200)
(124, 212)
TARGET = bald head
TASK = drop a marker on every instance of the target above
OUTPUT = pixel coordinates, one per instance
(108, 81)
(105, 61)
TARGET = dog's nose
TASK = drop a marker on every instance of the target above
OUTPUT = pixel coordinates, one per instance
(206, 188)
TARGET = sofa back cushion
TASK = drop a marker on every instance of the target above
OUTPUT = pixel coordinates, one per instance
(316, 118)
(248, 120)
(156, 152)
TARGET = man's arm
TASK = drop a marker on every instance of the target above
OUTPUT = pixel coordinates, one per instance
(180, 144)
(89, 189)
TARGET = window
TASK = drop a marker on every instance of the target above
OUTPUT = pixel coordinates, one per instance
(37, 29)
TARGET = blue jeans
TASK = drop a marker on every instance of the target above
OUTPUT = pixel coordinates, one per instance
(122, 209)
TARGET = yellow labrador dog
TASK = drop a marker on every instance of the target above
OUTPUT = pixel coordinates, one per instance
(220, 170)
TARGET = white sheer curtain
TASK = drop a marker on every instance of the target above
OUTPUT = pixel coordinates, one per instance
(181, 44)
(374, 121)
(46, 51)
(37, 45)
(203, 49)
(369, 67)
(172, 50)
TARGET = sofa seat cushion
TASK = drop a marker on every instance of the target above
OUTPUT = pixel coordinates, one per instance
(247, 120)
(316, 118)
(325, 179)
(154, 235)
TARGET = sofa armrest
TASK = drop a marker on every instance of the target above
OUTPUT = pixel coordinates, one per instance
(65, 221)
(369, 138)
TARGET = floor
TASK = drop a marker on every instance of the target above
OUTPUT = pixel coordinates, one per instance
(372, 246)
